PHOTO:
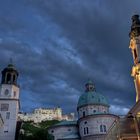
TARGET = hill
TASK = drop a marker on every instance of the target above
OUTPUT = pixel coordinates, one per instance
(36, 131)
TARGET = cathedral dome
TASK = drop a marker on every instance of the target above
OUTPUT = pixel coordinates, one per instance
(91, 97)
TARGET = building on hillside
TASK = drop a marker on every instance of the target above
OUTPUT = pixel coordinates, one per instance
(9, 102)
(93, 122)
(68, 117)
(128, 128)
(43, 114)
(49, 113)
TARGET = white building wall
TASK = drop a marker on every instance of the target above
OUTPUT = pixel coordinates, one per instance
(13, 91)
(7, 132)
(62, 131)
(92, 109)
(93, 124)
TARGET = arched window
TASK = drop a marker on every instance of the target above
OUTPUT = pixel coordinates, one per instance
(103, 128)
(14, 78)
(15, 94)
(6, 92)
(86, 131)
(135, 53)
(8, 78)
(84, 113)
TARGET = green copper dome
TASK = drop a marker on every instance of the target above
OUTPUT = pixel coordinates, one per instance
(91, 97)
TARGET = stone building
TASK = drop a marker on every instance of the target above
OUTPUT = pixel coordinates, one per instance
(93, 122)
(9, 102)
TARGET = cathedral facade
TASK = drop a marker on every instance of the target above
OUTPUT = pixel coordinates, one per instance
(94, 118)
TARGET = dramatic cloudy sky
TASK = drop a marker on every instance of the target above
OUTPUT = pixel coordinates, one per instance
(57, 45)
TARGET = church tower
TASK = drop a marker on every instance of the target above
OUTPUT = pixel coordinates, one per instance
(9, 102)
(135, 48)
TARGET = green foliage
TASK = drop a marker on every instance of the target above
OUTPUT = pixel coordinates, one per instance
(46, 124)
(37, 131)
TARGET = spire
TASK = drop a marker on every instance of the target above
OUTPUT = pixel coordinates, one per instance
(135, 27)
(89, 86)
(11, 61)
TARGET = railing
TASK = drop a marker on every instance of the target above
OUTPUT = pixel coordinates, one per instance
(124, 128)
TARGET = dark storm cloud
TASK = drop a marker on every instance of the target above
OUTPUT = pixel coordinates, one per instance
(58, 45)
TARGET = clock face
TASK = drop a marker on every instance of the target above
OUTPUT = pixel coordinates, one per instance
(6, 93)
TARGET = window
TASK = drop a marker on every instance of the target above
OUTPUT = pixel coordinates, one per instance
(52, 131)
(5, 129)
(6, 92)
(69, 129)
(135, 53)
(85, 122)
(91, 88)
(4, 107)
(7, 115)
(103, 128)
(14, 78)
(94, 111)
(14, 93)
(84, 113)
(8, 77)
(85, 130)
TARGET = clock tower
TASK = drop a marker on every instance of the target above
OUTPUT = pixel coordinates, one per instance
(9, 102)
